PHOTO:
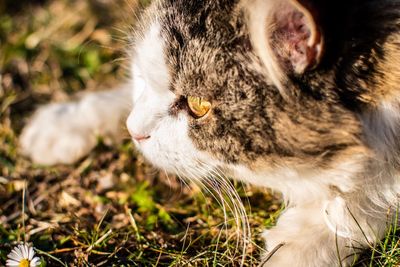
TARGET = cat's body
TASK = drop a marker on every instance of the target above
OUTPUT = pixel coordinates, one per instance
(304, 100)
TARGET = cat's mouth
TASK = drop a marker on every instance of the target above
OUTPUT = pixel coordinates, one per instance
(139, 138)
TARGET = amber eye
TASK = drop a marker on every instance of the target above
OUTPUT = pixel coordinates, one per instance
(198, 107)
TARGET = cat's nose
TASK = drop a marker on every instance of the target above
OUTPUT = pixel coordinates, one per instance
(136, 136)
(138, 127)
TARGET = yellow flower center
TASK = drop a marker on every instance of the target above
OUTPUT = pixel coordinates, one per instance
(24, 263)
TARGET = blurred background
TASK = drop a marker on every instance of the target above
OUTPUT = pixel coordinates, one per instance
(111, 208)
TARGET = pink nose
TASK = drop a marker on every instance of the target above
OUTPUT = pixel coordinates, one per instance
(140, 138)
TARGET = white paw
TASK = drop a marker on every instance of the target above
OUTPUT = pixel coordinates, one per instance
(57, 133)
(312, 247)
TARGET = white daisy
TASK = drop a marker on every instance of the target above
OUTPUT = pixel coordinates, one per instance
(22, 256)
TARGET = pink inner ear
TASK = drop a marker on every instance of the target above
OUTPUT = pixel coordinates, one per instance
(292, 39)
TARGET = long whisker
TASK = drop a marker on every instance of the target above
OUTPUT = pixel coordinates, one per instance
(215, 192)
(235, 204)
(212, 180)
(241, 212)
(200, 182)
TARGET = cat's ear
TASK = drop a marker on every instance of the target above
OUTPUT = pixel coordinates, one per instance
(288, 33)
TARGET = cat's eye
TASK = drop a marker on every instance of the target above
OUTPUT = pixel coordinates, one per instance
(198, 106)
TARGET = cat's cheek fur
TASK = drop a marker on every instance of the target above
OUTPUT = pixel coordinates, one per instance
(170, 149)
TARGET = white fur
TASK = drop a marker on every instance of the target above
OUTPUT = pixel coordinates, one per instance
(301, 185)
(316, 217)
(65, 132)
(149, 65)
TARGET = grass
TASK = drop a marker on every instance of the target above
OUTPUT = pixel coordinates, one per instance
(110, 209)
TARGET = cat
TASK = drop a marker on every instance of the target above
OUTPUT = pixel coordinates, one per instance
(300, 96)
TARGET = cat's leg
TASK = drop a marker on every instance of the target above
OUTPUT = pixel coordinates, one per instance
(65, 132)
(320, 234)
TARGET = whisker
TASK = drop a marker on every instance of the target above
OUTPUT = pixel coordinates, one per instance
(241, 212)
(212, 189)
(235, 204)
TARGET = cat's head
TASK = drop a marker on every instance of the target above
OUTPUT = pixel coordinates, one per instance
(250, 83)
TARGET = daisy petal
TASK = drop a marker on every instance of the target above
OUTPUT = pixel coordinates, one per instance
(15, 255)
(31, 253)
(20, 250)
(35, 262)
(24, 251)
(16, 252)
(12, 263)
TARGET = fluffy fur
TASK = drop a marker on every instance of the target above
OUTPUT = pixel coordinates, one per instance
(316, 120)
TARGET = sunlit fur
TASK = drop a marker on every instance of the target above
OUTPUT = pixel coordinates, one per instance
(64, 133)
(330, 148)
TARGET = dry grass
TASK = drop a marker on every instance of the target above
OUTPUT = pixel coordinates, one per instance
(110, 208)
